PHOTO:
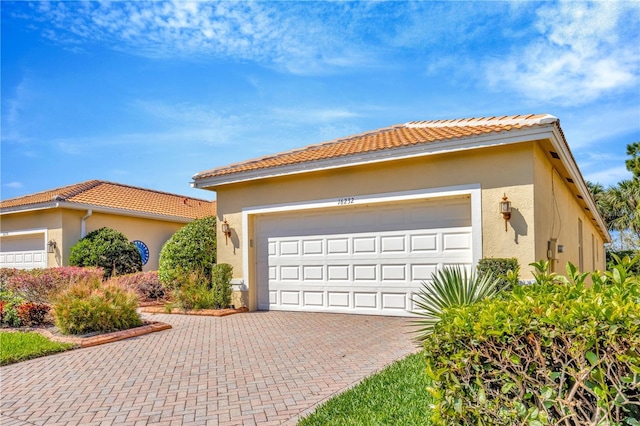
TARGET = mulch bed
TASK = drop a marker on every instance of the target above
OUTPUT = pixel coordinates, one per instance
(203, 312)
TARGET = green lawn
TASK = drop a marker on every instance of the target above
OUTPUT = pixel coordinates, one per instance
(395, 396)
(20, 346)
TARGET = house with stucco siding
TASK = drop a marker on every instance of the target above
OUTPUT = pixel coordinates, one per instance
(38, 230)
(353, 225)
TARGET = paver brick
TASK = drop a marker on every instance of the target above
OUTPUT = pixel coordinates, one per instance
(263, 368)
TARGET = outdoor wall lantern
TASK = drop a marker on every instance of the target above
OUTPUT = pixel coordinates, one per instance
(226, 230)
(51, 246)
(505, 209)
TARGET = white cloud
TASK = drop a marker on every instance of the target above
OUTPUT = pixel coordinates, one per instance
(599, 125)
(14, 112)
(13, 185)
(313, 115)
(609, 176)
(584, 51)
(289, 36)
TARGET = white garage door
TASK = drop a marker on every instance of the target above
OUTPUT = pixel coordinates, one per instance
(364, 260)
(23, 251)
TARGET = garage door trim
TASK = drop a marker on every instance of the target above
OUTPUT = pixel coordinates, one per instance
(43, 231)
(473, 190)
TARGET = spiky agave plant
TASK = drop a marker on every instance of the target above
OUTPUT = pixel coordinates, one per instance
(450, 286)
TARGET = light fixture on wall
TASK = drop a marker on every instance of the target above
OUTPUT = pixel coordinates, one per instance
(51, 246)
(226, 230)
(505, 209)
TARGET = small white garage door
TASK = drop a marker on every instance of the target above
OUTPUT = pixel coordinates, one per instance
(363, 260)
(23, 251)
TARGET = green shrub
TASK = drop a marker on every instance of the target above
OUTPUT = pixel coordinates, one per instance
(500, 268)
(109, 250)
(145, 284)
(193, 291)
(93, 306)
(191, 249)
(221, 285)
(450, 286)
(547, 353)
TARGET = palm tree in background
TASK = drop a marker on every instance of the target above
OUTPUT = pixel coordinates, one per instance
(619, 205)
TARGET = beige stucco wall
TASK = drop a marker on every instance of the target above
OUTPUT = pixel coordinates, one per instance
(154, 233)
(511, 170)
(557, 214)
(64, 227)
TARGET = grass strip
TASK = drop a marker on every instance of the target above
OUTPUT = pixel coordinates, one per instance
(20, 346)
(395, 396)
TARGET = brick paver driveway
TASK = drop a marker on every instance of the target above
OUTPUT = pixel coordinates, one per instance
(252, 368)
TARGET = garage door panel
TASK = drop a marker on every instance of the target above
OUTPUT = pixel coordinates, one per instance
(395, 301)
(392, 244)
(364, 245)
(313, 247)
(424, 242)
(422, 272)
(337, 246)
(358, 260)
(313, 273)
(368, 300)
(393, 273)
(26, 251)
(456, 241)
(338, 299)
(289, 273)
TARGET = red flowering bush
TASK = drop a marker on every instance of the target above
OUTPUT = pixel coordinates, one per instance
(42, 285)
(32, 314)
(146, 285)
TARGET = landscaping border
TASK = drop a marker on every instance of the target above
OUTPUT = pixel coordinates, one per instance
(86, 342)
(202, 312)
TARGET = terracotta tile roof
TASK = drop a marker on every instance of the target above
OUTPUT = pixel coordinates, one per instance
(111, 195)
(394, 137)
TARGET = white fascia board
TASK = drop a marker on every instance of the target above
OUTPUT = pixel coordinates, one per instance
(562, 149)
(96, 209)
(23, 232)
(544, 131)
(29, 208)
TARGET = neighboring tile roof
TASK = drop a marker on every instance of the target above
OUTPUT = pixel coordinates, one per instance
(393, 137)
(111, 195)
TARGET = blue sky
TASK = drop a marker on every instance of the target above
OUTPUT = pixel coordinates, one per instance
(149, 94)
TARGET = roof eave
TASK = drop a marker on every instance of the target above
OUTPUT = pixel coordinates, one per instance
(96, 209)
(562, 148)
(545, 131)
(438, 147)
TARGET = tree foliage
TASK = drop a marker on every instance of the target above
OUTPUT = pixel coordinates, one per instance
(619, 205)
(192, 249)
(108, 249)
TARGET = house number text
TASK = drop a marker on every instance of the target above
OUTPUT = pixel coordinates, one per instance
(346, 200)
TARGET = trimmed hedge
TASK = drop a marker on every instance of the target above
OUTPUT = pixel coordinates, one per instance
(544, 354)
(108, 249)
(221, 285)
(500, 268)
(192, 249)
